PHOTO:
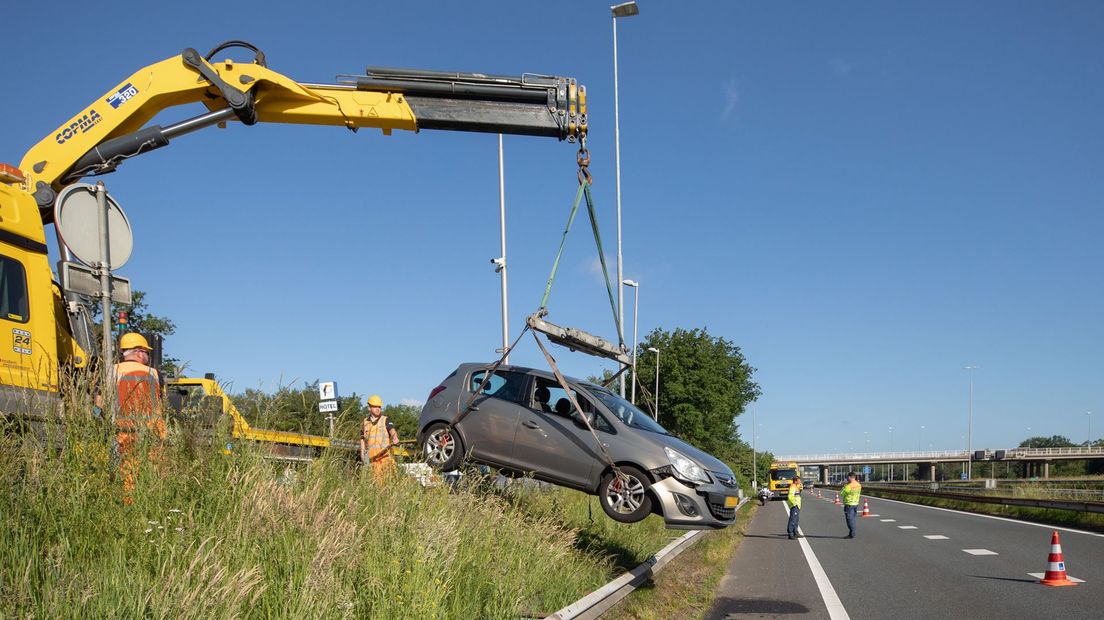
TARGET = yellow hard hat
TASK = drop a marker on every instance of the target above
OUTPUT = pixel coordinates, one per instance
(375, 401)
(134, 340)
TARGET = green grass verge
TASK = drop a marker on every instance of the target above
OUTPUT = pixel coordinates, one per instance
(212, 535)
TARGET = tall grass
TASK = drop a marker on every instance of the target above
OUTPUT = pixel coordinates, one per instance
(215, 535)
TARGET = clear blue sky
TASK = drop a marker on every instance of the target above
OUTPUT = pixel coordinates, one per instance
(864, 196)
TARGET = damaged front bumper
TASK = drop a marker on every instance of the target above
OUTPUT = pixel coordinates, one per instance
(702, 507)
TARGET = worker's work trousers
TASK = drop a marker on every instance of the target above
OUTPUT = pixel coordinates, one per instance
(849, 515)
(130, 461)
(795, 516)
(383, 467)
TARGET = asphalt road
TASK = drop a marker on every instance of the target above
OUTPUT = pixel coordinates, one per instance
(908, 562)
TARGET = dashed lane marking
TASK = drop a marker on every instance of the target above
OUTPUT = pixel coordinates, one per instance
(888, 520)
(1040, 576)
(936, 537)
(906, 527)
(980, 552)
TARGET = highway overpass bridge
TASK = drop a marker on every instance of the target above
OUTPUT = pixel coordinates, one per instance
(1042, 457)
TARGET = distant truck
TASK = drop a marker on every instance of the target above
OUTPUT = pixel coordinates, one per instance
(781, 474)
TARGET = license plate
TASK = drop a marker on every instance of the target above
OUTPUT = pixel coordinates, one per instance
(730, 502)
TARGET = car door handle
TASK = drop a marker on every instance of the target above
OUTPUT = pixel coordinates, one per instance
(530, 424)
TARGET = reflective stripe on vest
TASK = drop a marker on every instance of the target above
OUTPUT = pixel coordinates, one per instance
(137, 387)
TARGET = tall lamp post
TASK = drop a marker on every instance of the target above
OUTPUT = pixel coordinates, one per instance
(891, 452)
(656, 351)
(636, 313)
(500, 262)
(754, 457)
(1088, 414)
(970, 427)
(625, 9)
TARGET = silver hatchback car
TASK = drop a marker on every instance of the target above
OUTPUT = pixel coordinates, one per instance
(523, 423)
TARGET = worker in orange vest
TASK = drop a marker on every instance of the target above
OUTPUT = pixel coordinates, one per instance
(377, 437)
(138, 387)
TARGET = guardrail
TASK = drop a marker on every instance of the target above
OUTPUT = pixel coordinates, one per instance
(1073, 505)
(600, 601)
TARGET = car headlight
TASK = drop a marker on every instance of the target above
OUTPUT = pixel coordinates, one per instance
(685, 469)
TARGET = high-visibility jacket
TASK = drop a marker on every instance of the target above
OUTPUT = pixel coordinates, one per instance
(793, 497)
(850, 493)
(139, 391)
(378, 439)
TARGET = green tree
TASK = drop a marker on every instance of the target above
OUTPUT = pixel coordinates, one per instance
(705, 383)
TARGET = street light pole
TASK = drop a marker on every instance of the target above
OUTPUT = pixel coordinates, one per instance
(501, 264)
(636, 313)
(656, 413)
(1088, 414)
(970, 428)
(626, 9)
(754, 457)
(891, 452)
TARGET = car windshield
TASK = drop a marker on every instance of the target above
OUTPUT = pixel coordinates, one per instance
(782, 474)
(626, 411)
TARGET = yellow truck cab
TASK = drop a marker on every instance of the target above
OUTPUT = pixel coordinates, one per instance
(38, 339)
(780, 476)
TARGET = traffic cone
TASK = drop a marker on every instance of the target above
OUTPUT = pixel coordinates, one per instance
(1056, 566)
(866, 507)
(819, 496)
(837, 502)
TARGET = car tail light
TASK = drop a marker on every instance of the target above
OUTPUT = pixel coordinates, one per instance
(437, 390)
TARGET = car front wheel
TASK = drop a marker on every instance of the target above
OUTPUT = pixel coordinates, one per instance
(442, 447)
(625, 498)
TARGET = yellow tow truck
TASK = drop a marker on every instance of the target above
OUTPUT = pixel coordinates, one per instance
(207, 405)
(48, 329)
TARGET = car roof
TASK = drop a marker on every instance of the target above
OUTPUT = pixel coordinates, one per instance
(547, 374)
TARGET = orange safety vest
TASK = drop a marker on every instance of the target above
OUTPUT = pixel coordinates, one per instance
(378, 440)
(139, 392)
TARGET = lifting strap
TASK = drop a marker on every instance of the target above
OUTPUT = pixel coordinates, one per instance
(575, 403)
(584, 190)
(486, 378)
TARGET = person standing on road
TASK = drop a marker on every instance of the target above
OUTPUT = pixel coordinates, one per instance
(377, 437)
(793, 501)
(849, 495)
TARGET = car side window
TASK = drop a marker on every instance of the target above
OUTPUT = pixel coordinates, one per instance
(559, 404)
(502, 384)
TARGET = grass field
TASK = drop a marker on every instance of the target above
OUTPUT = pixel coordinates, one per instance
(214, 535)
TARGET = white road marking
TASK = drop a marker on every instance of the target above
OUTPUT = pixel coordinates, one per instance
(906, 527)
(888, 520)
(980, 552)
(937, 537)
(1041, 575)
(974, 514)
(869, 516)
(836, 610)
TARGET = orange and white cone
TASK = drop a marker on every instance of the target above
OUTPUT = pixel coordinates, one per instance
(1056, 566)
(819, 494)
(866, 507)
(837, 502)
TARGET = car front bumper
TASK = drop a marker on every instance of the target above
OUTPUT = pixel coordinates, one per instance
(705, 507)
